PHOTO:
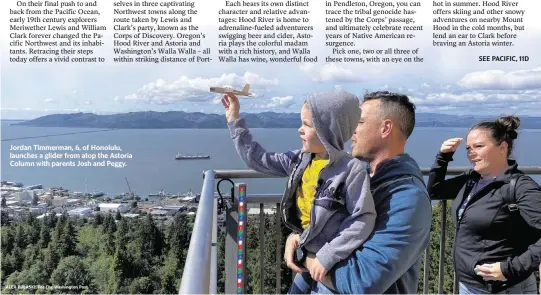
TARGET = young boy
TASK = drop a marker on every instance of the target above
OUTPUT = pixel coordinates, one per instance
(327, 197)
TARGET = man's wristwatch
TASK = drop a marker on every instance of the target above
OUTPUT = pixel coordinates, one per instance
(300, 257)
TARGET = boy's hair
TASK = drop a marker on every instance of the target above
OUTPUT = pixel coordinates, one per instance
(397, 107)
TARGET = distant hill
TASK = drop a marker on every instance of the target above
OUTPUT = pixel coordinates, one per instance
(161, 120)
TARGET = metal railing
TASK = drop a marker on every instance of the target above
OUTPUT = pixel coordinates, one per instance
(199, 276)
(200, 270)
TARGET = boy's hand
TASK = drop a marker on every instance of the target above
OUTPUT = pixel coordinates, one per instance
(292, 243)
(232, 107)
(317, 271)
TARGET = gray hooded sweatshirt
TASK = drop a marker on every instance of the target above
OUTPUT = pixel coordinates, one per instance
(343, 214)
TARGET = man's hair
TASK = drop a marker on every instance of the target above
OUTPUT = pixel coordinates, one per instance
(397, 107)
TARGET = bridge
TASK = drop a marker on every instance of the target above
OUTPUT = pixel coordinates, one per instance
(201, 266)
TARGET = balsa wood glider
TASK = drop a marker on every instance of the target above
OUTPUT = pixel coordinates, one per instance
(243, 92)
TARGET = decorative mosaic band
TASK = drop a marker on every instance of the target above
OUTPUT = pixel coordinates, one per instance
(241, 237)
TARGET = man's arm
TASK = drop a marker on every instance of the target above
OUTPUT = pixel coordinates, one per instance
(400, 237)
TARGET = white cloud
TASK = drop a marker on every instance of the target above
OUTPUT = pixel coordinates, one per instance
(196, 89)
(50, 100)
(497, 79)
(88, 102)
(478, 102)
(486, 92)
(278, 102)
(217, 100)
(330, 72)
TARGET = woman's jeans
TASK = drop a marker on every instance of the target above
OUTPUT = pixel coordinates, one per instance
(528, 286)
(303, 284)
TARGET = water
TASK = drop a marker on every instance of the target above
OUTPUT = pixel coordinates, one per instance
(154, 168)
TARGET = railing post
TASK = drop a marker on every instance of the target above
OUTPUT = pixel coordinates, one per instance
(231, 246)
(443, 221)
(426, 277)
(278, 227)
(261, 246)
(214, 252)
(196, 274)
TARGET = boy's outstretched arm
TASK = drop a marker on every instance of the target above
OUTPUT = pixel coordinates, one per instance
(255, 156)
(251, 152)
(357, 227)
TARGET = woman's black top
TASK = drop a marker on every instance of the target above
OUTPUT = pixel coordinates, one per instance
(489, 230)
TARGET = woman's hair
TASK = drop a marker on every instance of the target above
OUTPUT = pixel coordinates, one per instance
(503, 129)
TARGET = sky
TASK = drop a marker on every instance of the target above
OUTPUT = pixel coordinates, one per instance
(449, 80)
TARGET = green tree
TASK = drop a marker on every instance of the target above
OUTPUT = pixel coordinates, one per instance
(122, 233)
(71, 271)
(9, 264)
(4, 218)
(116, 273)
(142, 285)
(109, 224)
(99, 269)
(168, 275)
(17, 258)
(51, 258)
(53, 219)
(13, 279)
(32, 254)
(109, 229)
(35, 275)
(150, 238)
(20, 238)
(8, 240)
(55, 249)
(98, 220)
(179, 238)
(44, 234)
(31, 226)
(68, 239)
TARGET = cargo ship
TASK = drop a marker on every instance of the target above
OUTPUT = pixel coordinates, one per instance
(191, 157)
